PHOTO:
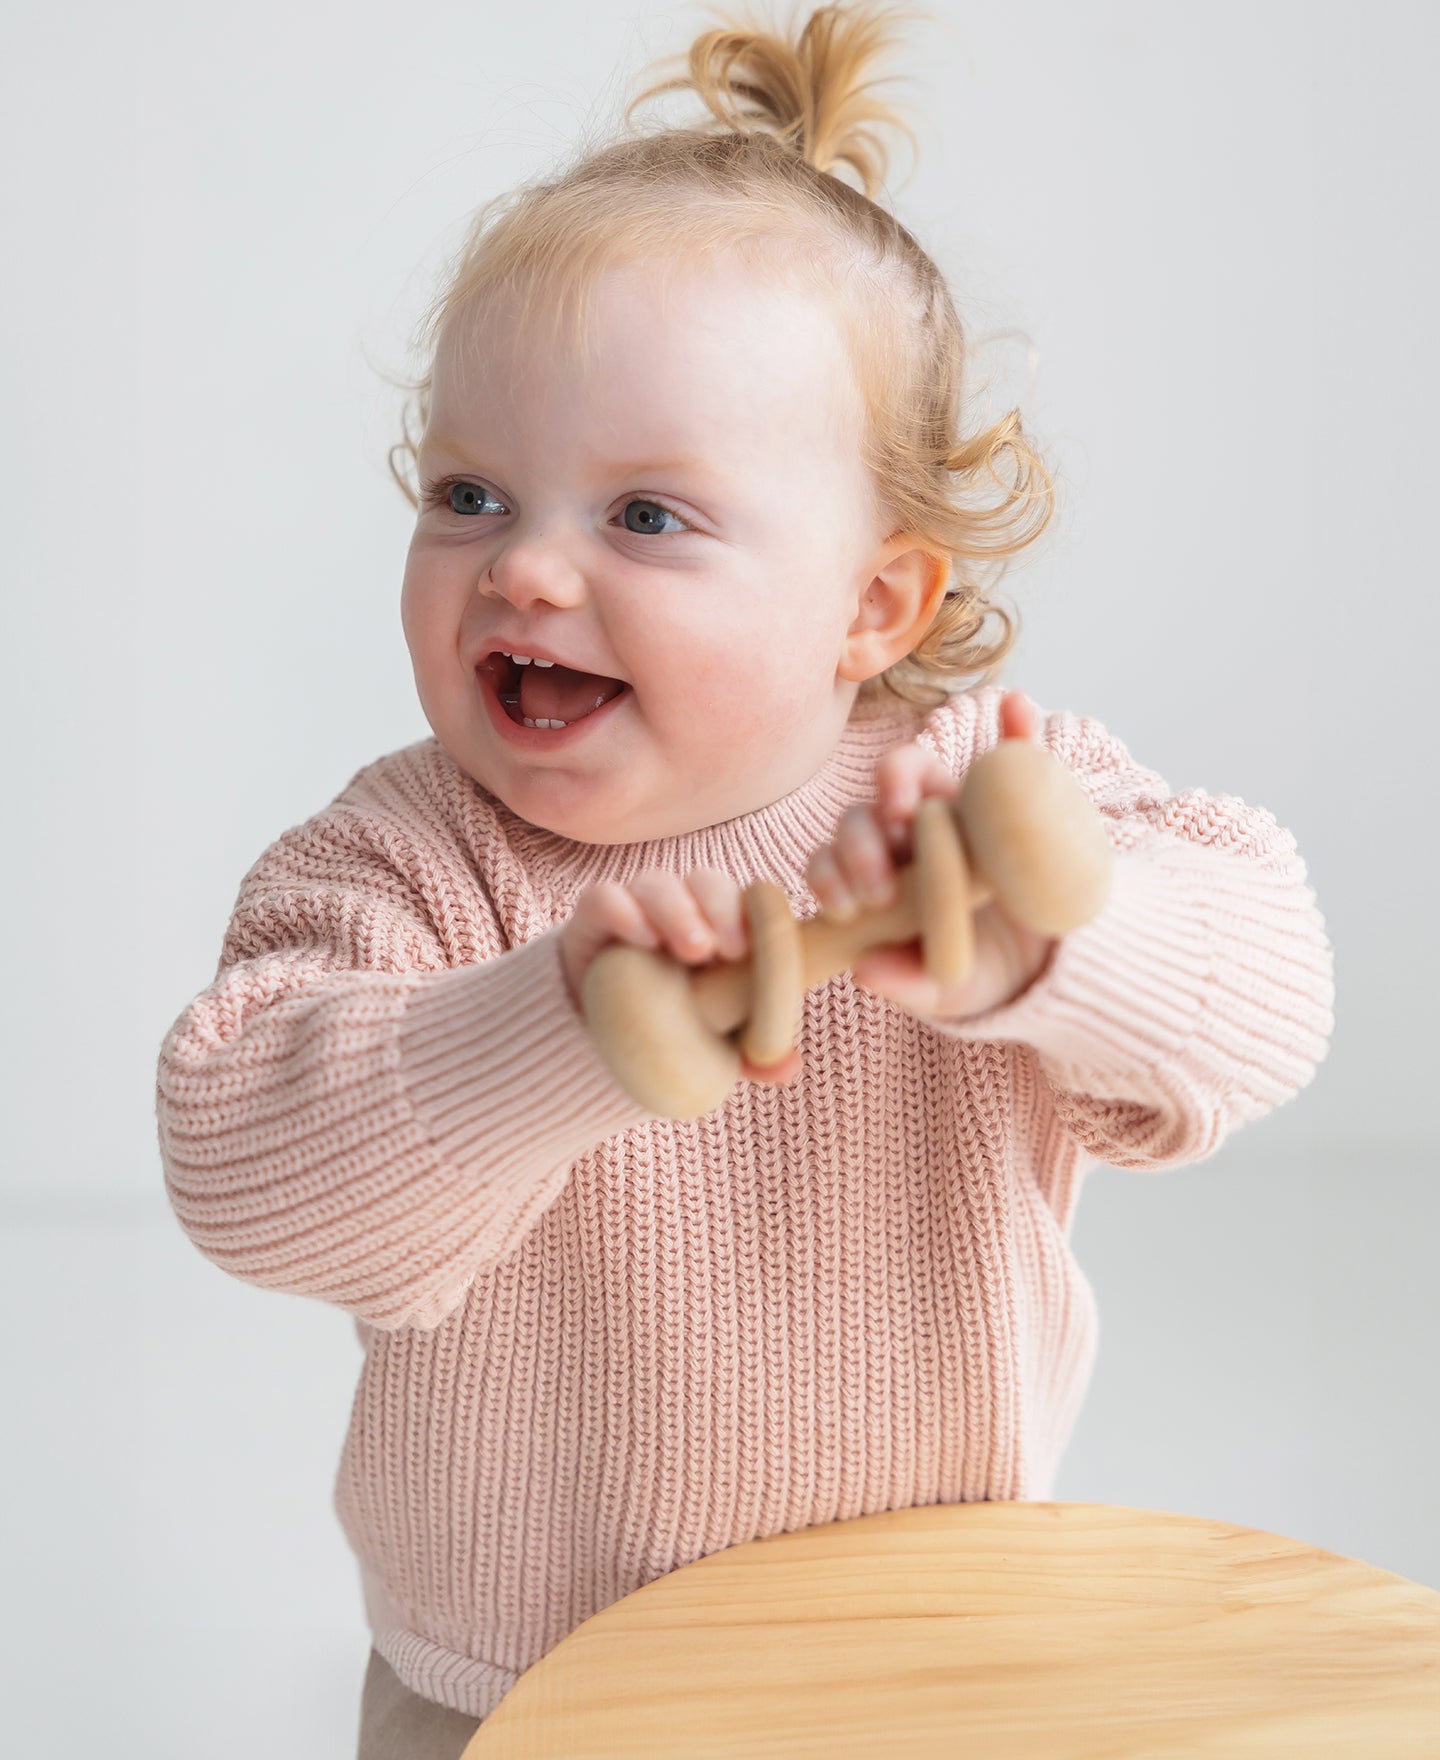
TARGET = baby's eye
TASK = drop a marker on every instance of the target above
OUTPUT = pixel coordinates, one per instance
(650, 521)
(458, 496)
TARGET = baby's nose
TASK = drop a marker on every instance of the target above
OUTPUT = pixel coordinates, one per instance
(536, 570)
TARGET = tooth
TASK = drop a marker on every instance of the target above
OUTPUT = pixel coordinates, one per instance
(525, 660)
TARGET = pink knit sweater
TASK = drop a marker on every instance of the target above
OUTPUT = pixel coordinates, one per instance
(602, 1344)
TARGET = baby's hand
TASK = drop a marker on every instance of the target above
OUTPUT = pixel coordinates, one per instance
(858, 871)
(695, 919)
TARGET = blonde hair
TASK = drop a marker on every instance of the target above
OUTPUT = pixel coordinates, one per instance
(758, 176)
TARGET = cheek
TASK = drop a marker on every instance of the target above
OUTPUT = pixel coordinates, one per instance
(753, 668)
(431, 600)
(422, 629)
(412, 588)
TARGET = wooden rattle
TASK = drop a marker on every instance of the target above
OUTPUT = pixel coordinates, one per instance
(1022, 830)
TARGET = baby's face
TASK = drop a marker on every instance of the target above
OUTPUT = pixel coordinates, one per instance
(689, 514)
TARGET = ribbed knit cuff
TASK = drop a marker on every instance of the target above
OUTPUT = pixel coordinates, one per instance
(1123, 992)
(496, 1053)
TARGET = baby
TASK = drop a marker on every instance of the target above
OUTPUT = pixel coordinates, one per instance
(693, 587)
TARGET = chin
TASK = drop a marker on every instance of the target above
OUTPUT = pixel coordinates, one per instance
(587, 821)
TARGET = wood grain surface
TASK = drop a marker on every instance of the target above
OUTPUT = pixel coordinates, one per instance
(995, 1631)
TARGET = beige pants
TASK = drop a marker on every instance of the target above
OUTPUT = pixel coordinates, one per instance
(396, 1724)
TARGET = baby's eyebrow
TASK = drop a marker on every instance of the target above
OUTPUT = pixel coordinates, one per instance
(696, 467)
(689, 464)
(444, 446)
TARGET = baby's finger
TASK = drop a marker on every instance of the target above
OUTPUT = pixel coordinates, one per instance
(1018, 716)
(904, 776)
(608, 912)
(863, 857)
(604, 914)
(721, 901)
(823, 877)
(675, 914)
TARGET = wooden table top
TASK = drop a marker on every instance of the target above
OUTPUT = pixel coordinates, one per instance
(994, 1631)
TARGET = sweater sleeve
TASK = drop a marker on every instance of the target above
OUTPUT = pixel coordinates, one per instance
(345, 1113)
(1202, 994)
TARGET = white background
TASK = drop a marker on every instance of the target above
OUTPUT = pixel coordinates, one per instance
(1216, 228)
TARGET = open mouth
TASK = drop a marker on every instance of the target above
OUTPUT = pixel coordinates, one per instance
(553, 698)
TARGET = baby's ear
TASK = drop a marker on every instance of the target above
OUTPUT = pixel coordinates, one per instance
(916, 574)
(906, 588)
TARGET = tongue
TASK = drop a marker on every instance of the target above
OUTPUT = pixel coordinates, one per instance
(556, 693)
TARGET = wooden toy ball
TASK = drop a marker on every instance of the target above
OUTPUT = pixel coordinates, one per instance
(1021, 830)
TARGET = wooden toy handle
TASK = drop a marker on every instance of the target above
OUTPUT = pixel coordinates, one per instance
(1022, 830)
(721, 993)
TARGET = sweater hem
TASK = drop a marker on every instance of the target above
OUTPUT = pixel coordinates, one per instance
(467, 1684)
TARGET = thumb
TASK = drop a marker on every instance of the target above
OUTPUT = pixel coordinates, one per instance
(898, 974)
(1018, 716)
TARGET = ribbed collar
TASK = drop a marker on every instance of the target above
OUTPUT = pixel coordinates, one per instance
(775, 841)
